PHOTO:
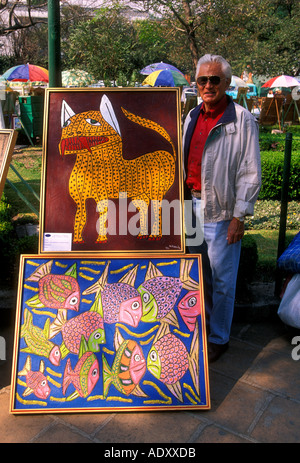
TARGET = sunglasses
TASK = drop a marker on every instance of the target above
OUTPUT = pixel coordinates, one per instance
(214, 80)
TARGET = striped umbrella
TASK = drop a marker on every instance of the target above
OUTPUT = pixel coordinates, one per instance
(158, 67)
(26, 72)
(165, 79)
(281, 81)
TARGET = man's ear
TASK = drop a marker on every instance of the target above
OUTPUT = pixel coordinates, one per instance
(227, 83)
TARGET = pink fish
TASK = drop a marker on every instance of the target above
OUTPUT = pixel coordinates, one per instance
(190, 307)
(55, 291)
(36, 381)
(121, 303)
(168, 359)
(84, 376)
(88, 325)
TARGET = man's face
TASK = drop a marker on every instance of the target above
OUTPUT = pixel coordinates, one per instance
(211, 94)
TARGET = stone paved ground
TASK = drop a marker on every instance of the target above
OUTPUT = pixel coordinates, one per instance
(255, 397)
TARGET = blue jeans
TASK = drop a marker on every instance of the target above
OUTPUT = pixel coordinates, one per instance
(220, 268)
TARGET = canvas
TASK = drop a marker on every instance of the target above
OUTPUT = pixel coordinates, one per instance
(123, 333)
(8, 139)
(112, 177)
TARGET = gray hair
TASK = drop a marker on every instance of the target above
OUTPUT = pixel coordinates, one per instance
(226, 68)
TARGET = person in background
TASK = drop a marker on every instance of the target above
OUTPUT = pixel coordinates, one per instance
(222, 178)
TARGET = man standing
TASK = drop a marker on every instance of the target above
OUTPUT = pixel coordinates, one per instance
(223, 178)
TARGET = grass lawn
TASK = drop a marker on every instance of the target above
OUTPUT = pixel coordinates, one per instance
(28, 164)
(267, 247)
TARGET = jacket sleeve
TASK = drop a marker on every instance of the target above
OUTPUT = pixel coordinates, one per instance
(248, 175)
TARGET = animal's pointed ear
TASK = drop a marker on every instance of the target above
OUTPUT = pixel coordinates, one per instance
(66, 113)
(108, 114)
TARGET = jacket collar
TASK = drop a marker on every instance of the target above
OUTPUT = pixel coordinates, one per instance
(229, 113)
(228, 116)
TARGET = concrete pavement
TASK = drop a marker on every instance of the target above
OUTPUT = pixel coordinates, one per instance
(254, 388)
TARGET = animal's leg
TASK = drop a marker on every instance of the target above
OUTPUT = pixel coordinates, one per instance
(142, 205)
(102, 207)
(156, 224)
(80, 220)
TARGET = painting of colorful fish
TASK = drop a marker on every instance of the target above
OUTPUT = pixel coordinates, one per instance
(36, 381)
(134, 340)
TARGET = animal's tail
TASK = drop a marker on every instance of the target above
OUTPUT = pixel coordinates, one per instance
(107, 376)
(43, 270)
(187, 282)
(150, 125)
(67, 379)
(27, 323)
(27, 367)
(99, 285)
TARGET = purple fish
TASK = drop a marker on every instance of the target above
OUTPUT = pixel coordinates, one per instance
(117, 302)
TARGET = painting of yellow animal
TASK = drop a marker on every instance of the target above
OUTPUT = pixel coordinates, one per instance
(101, 172)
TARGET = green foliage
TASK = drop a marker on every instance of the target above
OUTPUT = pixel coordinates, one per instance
(272, 175)
(111, 47)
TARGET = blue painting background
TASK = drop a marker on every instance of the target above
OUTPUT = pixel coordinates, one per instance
(159, 396)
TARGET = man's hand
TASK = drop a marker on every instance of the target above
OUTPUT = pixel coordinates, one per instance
(235, 231)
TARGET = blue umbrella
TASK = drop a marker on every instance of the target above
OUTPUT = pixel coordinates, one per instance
(158, 67)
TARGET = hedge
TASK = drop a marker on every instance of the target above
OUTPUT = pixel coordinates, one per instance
(272, 175)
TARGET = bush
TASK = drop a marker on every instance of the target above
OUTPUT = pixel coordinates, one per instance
(272, 176)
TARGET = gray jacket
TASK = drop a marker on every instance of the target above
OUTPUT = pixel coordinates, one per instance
(231, 169)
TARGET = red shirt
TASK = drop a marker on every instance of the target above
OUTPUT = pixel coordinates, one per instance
(206, 121)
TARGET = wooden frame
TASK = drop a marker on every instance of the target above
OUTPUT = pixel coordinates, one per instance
(112, 161)
(8, 140)
(80, 318)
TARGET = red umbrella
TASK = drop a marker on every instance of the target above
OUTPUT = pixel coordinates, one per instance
(25, 72)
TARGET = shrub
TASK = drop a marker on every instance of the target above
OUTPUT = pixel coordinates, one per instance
(272, 176)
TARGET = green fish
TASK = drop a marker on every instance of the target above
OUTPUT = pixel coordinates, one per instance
(128, 368)
(85, 375)
(159, 293)
(37, 340)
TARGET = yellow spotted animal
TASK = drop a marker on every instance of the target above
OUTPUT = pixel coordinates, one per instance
(101, 173)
